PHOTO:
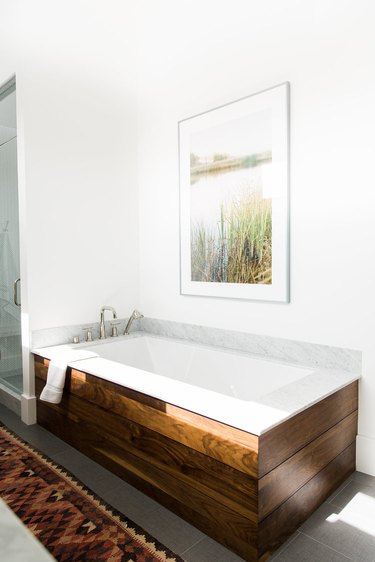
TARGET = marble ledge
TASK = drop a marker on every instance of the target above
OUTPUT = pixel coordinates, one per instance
(62, 335)
(295, 397)
(279, 349)
(289, 351)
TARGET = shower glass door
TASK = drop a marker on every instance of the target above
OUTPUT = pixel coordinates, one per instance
(10, 309)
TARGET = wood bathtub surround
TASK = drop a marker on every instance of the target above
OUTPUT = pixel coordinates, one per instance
(247, 492)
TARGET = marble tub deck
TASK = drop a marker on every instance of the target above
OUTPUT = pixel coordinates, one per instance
(255, 416)
(280, 349)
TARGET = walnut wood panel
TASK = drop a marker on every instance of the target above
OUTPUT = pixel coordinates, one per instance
(206, 471)
(210, 526)
(215, 479)
(276, 486)
(232, 525)
(203, 520)
(280, 524)
(234, 447)
(284, 440)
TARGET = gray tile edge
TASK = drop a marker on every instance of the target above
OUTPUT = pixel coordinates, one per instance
(339, 490)
(327, 546)
(286, 544)
(192, 546)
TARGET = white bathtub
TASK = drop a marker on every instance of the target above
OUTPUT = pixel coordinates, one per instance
(236, 388)
(238, 375)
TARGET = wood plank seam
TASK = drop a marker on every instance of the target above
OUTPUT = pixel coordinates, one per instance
(355, 410)
(308, 481)
(275, 487)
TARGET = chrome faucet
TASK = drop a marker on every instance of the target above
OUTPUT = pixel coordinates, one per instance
(102, 334)
(136, 315)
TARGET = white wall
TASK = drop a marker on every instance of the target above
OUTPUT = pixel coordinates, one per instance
(75, 106)
(76, 63)
(194, 56)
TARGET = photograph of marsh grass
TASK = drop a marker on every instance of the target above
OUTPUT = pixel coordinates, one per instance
(231, 201)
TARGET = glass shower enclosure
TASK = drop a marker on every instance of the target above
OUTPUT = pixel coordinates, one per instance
(10, 306)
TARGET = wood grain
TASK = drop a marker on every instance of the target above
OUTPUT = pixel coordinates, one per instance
(246, 492)
(276, 486)
(86, 429)
(280, 524)
(233, 488)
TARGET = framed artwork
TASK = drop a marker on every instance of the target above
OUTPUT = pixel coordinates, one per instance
(234, 201)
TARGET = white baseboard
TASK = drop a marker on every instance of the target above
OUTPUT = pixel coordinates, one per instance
(366, 454)
(28, 409)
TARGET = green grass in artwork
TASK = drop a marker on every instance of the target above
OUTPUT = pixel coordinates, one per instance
(240, 250)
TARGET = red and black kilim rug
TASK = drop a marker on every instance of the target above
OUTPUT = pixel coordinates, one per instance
(69, 519)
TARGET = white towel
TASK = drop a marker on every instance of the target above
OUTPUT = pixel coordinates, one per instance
(59, 361)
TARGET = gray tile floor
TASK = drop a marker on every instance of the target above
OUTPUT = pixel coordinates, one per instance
(341, 530)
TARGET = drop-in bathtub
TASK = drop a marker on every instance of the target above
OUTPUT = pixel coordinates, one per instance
(219, 384)
(233, 443)
(237, 375)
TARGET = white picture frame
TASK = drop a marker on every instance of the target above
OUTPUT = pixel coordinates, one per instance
(234, 199)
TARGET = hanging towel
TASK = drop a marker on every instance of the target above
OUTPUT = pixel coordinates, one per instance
(59, 361)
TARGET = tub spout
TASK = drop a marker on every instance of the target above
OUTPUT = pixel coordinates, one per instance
(136, 315)
(102, 334)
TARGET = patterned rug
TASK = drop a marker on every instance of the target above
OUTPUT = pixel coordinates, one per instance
(72, 522)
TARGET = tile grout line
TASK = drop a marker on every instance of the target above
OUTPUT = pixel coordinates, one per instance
(284, 547)
(351, 479)
(327, 546)
(191, 546)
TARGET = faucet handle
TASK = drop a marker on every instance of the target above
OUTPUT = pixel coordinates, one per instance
(88, 330)
(114, 332)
